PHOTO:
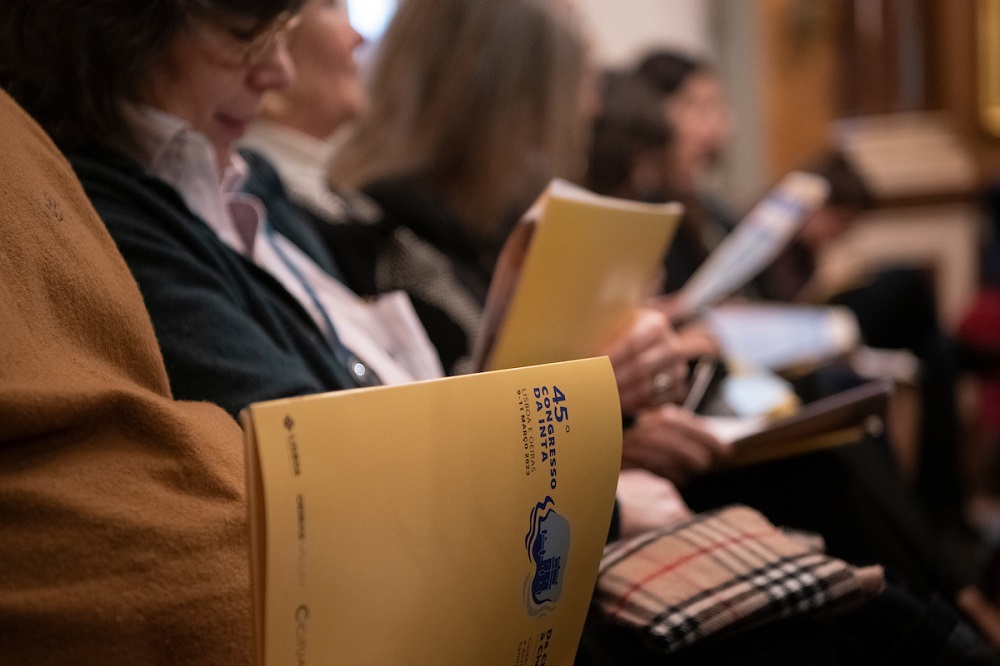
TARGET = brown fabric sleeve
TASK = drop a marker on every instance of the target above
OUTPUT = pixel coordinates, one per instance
(122, 517)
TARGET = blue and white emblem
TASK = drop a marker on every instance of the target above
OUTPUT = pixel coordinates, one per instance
(547, 543)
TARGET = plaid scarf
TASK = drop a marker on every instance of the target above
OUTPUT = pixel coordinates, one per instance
(722, 572)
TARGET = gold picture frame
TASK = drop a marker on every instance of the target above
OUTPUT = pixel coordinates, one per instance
(988, 61)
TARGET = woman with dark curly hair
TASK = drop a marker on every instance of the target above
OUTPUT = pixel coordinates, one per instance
(148, 100)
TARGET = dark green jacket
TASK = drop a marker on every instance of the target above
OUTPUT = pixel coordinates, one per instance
(229, 332)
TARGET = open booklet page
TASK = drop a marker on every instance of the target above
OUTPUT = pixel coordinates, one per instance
(840, 419)
(458, 520)
(782, 337)
(754, 243)
(571, 276)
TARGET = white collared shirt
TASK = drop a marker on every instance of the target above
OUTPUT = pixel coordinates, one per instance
(379, 333)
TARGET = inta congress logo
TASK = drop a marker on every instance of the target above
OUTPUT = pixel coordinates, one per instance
(547, 543)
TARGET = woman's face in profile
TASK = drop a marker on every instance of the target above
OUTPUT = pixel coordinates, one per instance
(214, 73)
(327, 80)
(702, 123)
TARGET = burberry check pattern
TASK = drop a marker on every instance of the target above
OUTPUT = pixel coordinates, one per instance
(719, 573)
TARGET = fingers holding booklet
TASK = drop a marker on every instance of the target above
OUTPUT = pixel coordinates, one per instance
(649, 363)
(574, 283)
(571, 283)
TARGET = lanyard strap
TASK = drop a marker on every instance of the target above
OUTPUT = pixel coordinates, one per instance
(359, 371)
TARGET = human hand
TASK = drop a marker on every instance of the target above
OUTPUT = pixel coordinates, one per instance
(665, 303)
(697, 340)
(672, 442)
(647, 501)
(649, 367)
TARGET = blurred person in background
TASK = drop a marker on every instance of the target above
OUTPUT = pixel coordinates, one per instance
(454, 150)
(631, 140)
(463, 133)
(288, 147)
(826, 492)
(896, 309)
(694, 105)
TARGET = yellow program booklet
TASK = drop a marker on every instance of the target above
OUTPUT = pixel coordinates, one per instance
(571, 276)
(452, 521)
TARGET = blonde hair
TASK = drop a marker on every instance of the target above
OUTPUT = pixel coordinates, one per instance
(479, 99)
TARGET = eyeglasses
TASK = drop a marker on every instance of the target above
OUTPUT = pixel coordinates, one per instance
(244, 47)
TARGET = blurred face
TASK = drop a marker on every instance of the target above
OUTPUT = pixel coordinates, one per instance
(327, 91)
(214, 74)
(590, 95)
(646, 177)
(702, 124)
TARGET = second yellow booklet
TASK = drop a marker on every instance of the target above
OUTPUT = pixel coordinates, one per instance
(567, 283)
(455, 521)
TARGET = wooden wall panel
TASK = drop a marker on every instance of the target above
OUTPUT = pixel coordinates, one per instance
(954, 80)
(800, 79)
